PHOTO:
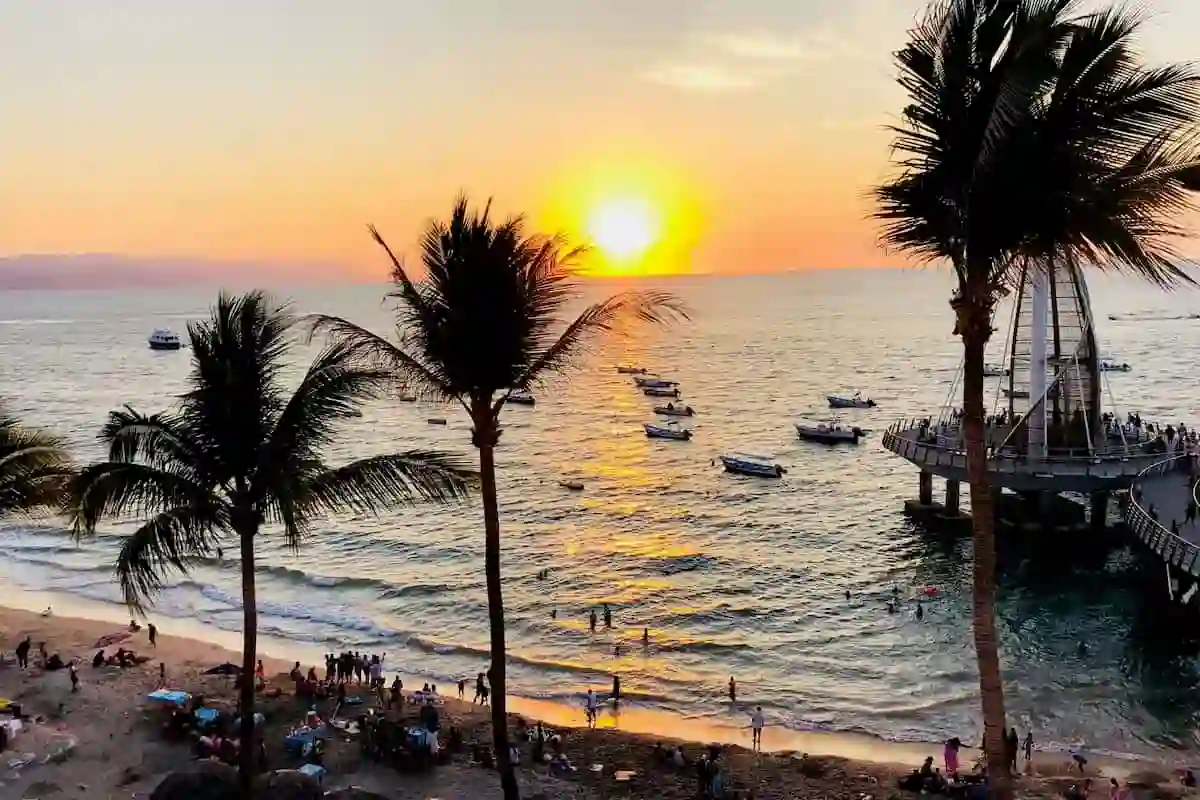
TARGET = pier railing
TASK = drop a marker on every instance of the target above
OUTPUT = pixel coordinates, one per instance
(900, 439)
(1172, 548)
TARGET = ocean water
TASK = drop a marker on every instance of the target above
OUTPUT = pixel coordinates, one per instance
(732, 575)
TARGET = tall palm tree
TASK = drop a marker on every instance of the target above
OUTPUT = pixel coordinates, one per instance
(34, 468)
(486, 322)
(1034, 134)
(238, 453)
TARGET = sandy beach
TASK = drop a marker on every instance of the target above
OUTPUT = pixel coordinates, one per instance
(114, 747)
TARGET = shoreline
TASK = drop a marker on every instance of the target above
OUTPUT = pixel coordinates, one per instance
(279, 654)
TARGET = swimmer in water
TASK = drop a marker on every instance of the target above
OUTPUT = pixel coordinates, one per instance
(645, 636)
(847, 594)
(554, 613)
(891, 607)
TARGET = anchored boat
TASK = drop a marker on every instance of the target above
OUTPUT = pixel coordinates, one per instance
(521, 398)
(829, 432)
(660, 391)
(672, 410)
(994, 371)
(664, 432)
(626, 369)
(857, 401)
(163, 339)
(654, 381)
(1112, 366)
(760, 466)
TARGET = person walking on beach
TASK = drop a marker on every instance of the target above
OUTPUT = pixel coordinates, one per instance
(74, 677)
(23, 653)
(462, 688)
(592, 620)
(1012, 744)
(732, 690)
(607, 616)
(616, 692)
(590, 707)
(481, 691)
(152, 632)
(756, 728)
(950, 756)
(920, 611)
(1028, 747)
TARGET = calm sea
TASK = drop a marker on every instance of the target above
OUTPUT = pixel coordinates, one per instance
(732, 575)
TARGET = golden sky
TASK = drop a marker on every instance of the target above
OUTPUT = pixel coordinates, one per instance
(274, 131)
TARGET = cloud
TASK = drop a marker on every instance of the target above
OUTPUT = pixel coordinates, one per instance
(699, 77)
(765, 45)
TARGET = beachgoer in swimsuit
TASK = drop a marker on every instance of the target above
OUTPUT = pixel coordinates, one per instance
(756, 728)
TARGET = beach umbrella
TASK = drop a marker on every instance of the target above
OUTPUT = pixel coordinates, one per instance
(224, 669)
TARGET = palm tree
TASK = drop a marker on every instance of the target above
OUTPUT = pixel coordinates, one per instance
(238, 453)
(485, 323)
(1034, 135)
(34, 468)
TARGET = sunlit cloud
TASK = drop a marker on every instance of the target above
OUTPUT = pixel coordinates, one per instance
(702, 77)
(765, 45)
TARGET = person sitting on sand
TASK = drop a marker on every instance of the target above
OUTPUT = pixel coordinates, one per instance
(134, 627)
(98, 660)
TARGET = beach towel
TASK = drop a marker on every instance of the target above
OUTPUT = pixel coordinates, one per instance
(175, 698)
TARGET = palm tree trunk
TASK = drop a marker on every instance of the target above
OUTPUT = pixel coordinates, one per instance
(485, 438)
(246, 767)
(975, 329)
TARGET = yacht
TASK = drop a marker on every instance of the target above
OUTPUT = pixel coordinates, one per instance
(164, 339)
(829, 432)
(744, 464)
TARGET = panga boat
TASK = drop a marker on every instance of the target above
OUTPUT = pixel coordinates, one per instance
(655, 381)
(994, 371)
(752, 465)
(1017, 393)
(626, 369)
(664, 432)
(1112, 366)
(436, 421)
(672, 410)
(574, 486)
(521, 398)
(660, 391)
(407, 398)
(163, 339)
(829, 432)
(857, 401)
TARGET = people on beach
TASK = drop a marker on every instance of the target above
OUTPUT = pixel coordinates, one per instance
(74, 677)
(592, 620)
(1012, 744)
(98, 660)
(1028, 746)
(607, 616)
(756, 728)
(732, 690)
(645, 637)
(481, 691)
(152, 632)
(23, 652)
(616, 690)
(847, 594)
(920, 611)
(591, 708)
(950, 755)
(462, 688)
(162, 675)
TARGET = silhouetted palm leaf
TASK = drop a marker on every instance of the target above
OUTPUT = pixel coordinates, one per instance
(34, 468)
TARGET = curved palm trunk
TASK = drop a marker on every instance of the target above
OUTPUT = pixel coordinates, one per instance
(485, 436)
(975, 329)
(246, 768)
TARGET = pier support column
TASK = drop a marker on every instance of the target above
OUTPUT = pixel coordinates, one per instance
(1099, 510)
(952, 491)
(925, 488)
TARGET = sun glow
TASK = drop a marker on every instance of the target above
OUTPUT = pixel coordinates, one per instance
(623, 227)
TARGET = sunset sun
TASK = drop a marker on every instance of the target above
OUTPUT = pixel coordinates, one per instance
(623, 228)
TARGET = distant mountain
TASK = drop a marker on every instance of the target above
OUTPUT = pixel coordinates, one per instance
(106, 270)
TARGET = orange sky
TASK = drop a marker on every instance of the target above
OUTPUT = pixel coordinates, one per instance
(255, 130)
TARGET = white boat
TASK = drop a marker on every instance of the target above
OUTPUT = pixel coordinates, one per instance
(1111, 366)
(163, 339)
(829, 432)
(994, 371)
(744, 464)
(521, 398)
(857, 401)
(626, 369)
(672, 410)
(660, 391)
(653, 380)
(664, 432)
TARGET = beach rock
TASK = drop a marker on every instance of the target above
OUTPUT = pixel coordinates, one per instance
(287, 785)
(208, 780)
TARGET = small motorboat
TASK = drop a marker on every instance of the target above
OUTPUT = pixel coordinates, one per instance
(994, 371)
(665, 432)
(672, 410)
(521, 398)
(436, 421)
(354, 412)
(574, 486)
(829, 432)
(407, 398)
(626, 369)
(856, 401)
(660, 391)
(1112, 366)
(1015, 393)
(163, 339)
(760, 466)
(653, 380)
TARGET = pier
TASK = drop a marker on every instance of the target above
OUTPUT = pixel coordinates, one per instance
(1161, 496)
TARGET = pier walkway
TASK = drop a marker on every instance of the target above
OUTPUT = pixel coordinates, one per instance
(1161, 495)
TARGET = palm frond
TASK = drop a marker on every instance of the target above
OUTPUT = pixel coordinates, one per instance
(167, 544)
(377, 483)
(373, 351)
(599, 319)
(158, 439)
(115, 489)
(34, 468)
